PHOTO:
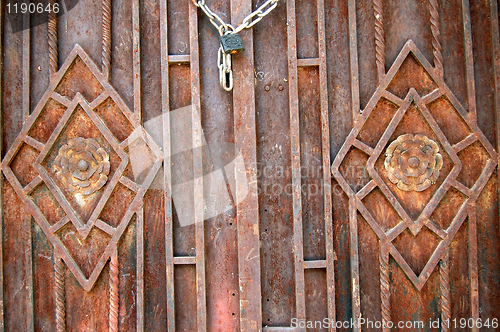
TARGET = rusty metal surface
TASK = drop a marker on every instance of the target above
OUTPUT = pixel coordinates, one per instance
(398, 100)
(380, 212)
(247, 212)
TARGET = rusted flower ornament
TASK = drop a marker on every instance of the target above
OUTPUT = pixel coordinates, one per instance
(413, 162)
(82, 166)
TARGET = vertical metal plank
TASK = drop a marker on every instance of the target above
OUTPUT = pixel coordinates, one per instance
(296, 175)
(469, 60)
(473, 265)
(26, 66)
(353, 52)
(327, 180)
(353, 221)
(114, 290)
(136, 51)
(221, 234)
(2, 323)
(59, 269)
(140, 270)
(136, 37)
(495, 41)
(341, 115)
(30, 324)
(167, 190)
(245, 138)
(197, 169)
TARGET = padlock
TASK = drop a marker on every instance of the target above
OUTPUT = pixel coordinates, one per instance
(231, 43)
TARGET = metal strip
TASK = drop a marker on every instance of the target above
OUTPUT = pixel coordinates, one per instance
(58, 225)
(471, 138)
(140, 269)
(436, 36)
(33, 143)
(473, 265)
(356, 304)
(327, 180)
(378, 12)
(167, 176)
(280, 329)
(26, 67)
(469, 61)
(247, 214)
(2, 319)
(179, 59)
(184, 260)
(53, 40)
(353, 54)
(366, 190)
(136, 37)
(197, 170)
(436, 229)
(66, 102)
(298, 234)
(318, 264)
(106, 38)
(310, 62)
(495, 41)
(363, 147)
(369, 219)
(60, 293)
(32, 185)
(395, 99)
(114, 290)
(429, 98)
(30, 324)
(105, 227)
(385, 286)
(444, 283)
(129, 184)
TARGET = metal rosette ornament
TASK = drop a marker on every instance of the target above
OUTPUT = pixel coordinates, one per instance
(413, 162)
(82, 166)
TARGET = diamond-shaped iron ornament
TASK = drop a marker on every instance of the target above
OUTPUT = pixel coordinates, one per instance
(83, 227)
(71, 102)
(357, 140)
(414, 225)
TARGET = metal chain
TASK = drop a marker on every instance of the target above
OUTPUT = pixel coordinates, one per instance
(224, 60)
(248, 21)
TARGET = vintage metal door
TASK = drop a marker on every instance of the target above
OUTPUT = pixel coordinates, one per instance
(350, 177)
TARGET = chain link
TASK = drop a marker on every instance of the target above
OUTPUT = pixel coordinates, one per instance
(261, 12)
(225, 71)
(247, 23)
(224, 60)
